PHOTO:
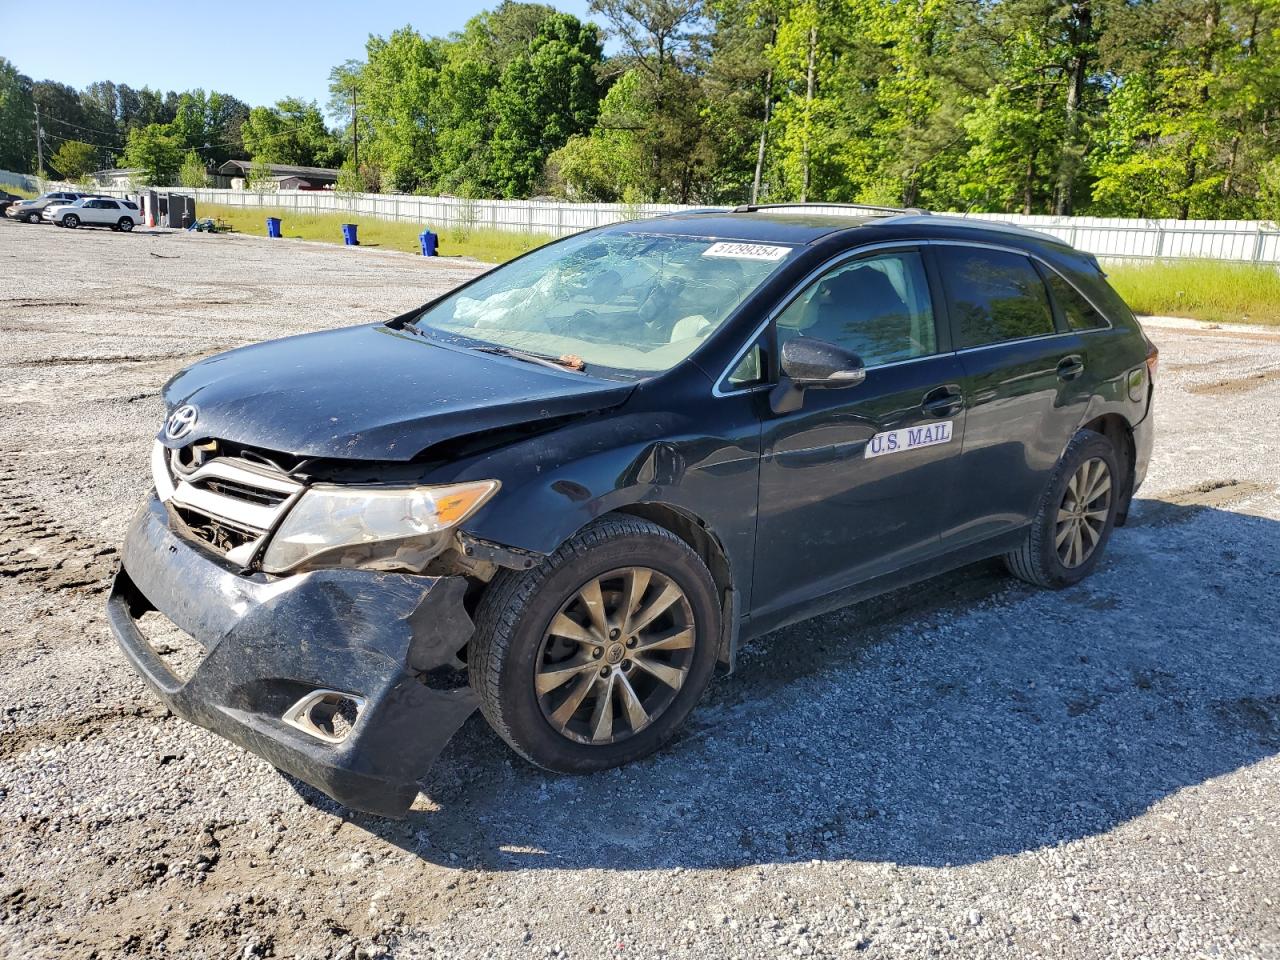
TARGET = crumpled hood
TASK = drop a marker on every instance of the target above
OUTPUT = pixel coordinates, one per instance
(371, 393)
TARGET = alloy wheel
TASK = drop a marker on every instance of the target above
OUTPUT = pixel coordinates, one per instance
(1082, 515)
(615, 655)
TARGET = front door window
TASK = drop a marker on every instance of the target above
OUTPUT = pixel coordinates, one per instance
(878, 307)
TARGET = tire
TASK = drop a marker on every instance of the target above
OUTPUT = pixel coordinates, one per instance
(515, 653)
(32, 218)
(125, 224)
(71, 221)
(1047, 558)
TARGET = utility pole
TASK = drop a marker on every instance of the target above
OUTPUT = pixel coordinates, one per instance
(355, 132)
(39, 145)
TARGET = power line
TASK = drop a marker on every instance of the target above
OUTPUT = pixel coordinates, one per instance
(97, 146)
(68, 123)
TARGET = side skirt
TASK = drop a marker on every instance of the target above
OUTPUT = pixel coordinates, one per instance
(759, 625)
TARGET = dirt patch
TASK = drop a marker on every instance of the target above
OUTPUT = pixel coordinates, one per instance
(1235, 385)
(76, 728)
(1211, 494)
(62, 361)
(36, 549)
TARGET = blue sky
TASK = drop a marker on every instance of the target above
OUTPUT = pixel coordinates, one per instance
(258, 52)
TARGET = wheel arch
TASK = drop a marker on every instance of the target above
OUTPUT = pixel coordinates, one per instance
(694, 531)
(1117, 429)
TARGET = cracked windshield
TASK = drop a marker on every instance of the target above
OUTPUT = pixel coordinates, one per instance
(627, 302)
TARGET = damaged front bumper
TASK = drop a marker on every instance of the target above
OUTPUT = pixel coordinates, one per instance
(273, 649)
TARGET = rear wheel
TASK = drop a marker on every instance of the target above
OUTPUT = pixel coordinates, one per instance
(595, 657)
(1075, 518)
(71, 220)
(125, 224)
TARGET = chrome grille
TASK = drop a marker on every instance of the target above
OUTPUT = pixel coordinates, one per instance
(227, 502)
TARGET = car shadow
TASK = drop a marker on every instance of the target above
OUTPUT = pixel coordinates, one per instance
(962, 719)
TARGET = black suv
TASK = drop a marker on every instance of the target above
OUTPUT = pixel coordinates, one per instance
(570, 489)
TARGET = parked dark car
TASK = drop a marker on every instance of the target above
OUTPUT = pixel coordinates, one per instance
(29, 211)
(7, 199)
(569, 491)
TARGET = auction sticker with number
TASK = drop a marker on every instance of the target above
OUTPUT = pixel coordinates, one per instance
(746, 251)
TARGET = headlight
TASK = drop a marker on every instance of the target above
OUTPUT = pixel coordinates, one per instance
(387, 528)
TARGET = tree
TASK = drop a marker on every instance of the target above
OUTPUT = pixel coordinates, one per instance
(663, 42)
(543, 98)
(259, 179)
(74, 160)
(292, 132)
(156, 151)
(397, 87)
(193, 173)
(17, 120)
(610, 163)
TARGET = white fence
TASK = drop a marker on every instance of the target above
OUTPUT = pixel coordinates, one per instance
(23, 181)
(1248, 241)
(513, 216)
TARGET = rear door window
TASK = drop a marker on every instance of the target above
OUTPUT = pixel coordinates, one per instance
(994, 296)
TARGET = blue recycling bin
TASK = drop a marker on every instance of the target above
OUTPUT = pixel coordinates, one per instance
(349, 235)
(273, 227)
(430, 243)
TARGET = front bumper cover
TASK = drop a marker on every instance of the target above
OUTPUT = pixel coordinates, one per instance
(268, 643)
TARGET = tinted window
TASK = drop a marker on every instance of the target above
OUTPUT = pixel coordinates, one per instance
(1079, 312)
(994, 296)
(750, 369)
(108, 205)
(878, 307)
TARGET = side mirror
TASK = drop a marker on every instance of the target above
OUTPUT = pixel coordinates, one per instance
(809, 364)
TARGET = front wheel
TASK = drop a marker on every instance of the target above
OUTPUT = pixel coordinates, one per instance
(71, 220)
(1075, 518)
(595, 657)
(125, 224)
(32, 218)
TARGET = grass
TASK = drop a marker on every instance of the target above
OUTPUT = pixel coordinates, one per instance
(491, 246)
(1200, 289)
(18, 191)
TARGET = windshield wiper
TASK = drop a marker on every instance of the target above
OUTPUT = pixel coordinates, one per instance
(566, 362)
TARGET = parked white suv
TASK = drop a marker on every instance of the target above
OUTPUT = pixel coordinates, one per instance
(97, 212)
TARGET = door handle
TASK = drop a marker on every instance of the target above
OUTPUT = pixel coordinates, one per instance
(1070, 367)
(943, 402)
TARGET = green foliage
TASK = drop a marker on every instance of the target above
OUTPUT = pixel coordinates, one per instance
(259, 179)
(351, 181)
(545, 96)
(1202, 289)
(74, 160)
(192, 173)
(292, 132)
(156, 151)
(609, 162)
(17, 120)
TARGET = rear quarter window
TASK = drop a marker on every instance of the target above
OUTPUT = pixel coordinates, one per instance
(1086, 275)
(1080, 314)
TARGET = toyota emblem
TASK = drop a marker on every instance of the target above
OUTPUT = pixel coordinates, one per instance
(181, 422)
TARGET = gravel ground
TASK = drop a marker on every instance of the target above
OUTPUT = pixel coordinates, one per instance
(968, 768)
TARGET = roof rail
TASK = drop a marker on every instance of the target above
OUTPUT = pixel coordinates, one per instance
(876, 208)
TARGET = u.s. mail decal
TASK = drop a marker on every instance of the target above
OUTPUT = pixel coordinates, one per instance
(908, 438)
